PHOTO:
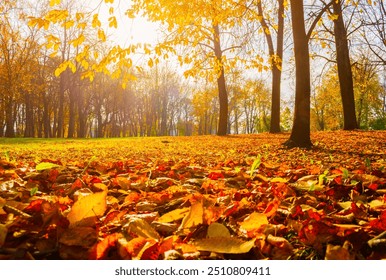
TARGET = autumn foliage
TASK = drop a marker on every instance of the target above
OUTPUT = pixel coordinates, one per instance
(235, 197)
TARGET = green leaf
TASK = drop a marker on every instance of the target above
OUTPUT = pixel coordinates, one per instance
(6, 153)
(345, 174)
(256, 163)
(33, 191)
(46, 165)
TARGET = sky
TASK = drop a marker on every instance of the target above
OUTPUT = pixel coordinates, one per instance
(129, 31)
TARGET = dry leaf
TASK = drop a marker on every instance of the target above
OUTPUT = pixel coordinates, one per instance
(253, 222)
(226, 245)
(336, 252)
(218, 230)
(194, 217)
(3, 234)
(87, 208)
(142, 229)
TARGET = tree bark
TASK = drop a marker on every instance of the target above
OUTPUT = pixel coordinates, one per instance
(344, 69)
(276, 62)
(29, 116)
(9, 119)
(221, 85)
(300, 135)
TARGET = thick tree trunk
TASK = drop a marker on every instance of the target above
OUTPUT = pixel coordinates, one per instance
(221, 84)
(300, 135)
(344, 69)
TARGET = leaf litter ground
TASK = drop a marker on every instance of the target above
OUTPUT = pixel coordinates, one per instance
(204, 197)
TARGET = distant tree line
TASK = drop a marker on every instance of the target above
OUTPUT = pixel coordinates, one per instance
(56, 78)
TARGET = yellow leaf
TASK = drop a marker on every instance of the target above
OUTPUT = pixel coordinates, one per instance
(150, 63)
(3, 234)
(142, 229)
(225, 245)
(218, 230)
(54, 2)
(68, 24)
(109, 1)
(78, 41)
(82, 25)
(87, 208)
(174, 215)
(333, 17)
(194, 217)
(101, 35)
(95, 21)
(72, 66)
(279, 180)
(253, 222)
(113, 22)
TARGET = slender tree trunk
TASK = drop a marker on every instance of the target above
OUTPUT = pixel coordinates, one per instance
(276, 62)
(60, 126)
(9, 118)
(221, 84)
(344, 69)
(46, 117)
(71, 110)
(82, 129)
(300, 135)
(29, 116)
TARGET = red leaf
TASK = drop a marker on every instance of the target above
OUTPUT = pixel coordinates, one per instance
(298, 211)
(272, 208)
(380, 223)
(35, 206)
(101, 249)
(373, 186)
(215, 175)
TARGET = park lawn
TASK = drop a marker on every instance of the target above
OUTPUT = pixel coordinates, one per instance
(201, 197)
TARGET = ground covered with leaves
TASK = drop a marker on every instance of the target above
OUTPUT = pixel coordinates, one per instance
(204, 197)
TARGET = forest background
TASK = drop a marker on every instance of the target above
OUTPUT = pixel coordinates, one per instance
(63, 73)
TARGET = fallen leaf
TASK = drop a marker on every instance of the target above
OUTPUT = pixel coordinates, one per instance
(226, 245)
(3, 234)
(253, 222)
(141, 228)
(174, 215)
(87, 208)
(194, 217)
(46, 165)
(337, 252)
(218, 230)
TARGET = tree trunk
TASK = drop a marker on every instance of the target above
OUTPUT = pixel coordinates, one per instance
(60, 127)
(9, 119)
(276, 62)
(221, 84)
(46, 117)
(344, 69)
(300, 135)
(29, 116)
(81, 115)
(71, 111)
